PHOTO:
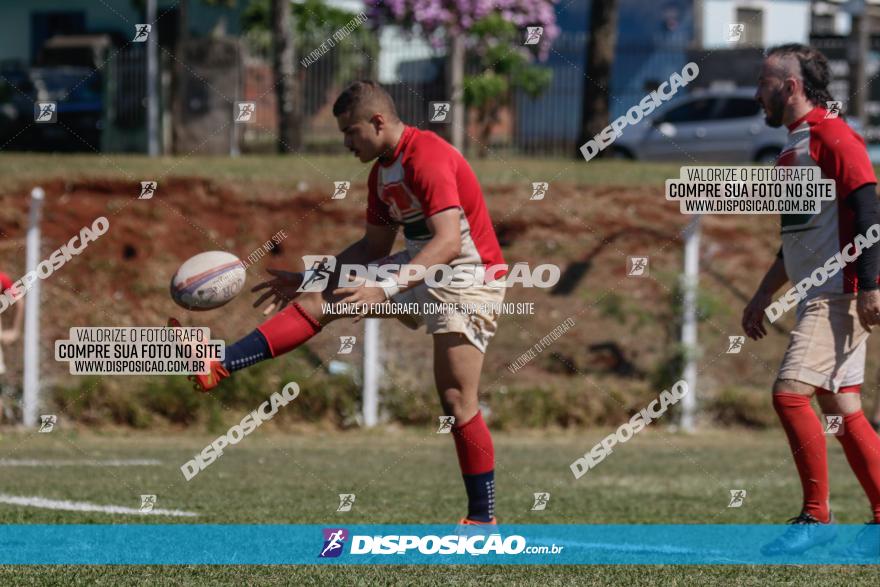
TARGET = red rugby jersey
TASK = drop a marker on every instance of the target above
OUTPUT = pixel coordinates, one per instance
(808, 240)
(428, 175)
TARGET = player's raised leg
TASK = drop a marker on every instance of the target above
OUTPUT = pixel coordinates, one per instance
(457, 367)
(285, 331)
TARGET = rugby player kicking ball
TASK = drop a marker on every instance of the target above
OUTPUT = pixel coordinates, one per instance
(422, 183)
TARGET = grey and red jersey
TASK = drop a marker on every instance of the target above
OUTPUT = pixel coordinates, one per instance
(425, 176)
(809, 240)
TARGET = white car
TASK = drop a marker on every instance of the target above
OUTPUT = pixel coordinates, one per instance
(724, 126)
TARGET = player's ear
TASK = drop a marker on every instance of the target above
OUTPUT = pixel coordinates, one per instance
(378, 121)
(792, 85)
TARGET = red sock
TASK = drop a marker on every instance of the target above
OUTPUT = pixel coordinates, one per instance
(476, 457)
(862, 447)
(288, 329)
(807, 440)
(473, 443)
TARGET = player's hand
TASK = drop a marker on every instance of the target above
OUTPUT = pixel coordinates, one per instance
(8, 337)
(281, 289)
(868, 308)
(753, 316)
(367, 295)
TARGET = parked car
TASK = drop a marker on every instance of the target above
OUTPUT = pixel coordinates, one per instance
(79, 96)
(724, 126)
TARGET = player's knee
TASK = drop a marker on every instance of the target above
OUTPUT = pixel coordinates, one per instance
(792, 386)
(840, 403)
(455, 404)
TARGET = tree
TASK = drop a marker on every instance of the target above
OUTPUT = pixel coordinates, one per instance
(288, 96)
(599, 60)
(452, 25)
(312, 23)
(505, 66)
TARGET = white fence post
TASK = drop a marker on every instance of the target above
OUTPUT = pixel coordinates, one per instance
(31, 393)
(690, 281)
(372, 371)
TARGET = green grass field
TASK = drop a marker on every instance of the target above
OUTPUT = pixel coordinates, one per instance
(290, 169)
(406, 475)
(410, 476)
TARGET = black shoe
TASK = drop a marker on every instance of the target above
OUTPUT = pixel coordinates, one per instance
(804, 533)
(866, 544)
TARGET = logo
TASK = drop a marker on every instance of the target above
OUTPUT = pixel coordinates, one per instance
(737, 498)
(446, 423)
(735, 32)
(833, 424)
(317, 276)
(47, 423)
(470, 544)
(834, 108)
(735, 344)
(334, 541)
(533, 35)
(346, 345)
(439, 111)
(46, 112)
(141, 32)
(346, 500)
(244, 111)
(147, 502)
(637, 266)
(148, 188)
(541, 501)
(342, 188)
(539, 190)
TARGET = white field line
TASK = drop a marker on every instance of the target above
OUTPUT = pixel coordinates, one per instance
(82, 506)
(79, 463)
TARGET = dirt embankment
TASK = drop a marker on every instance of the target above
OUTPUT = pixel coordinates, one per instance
(625, 326)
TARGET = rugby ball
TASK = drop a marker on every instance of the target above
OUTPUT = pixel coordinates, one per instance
(207, 281)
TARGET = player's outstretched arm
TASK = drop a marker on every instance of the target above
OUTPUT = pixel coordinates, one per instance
(284, 285)
(753, 315)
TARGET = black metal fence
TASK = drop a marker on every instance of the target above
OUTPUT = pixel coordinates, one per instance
(546, 125)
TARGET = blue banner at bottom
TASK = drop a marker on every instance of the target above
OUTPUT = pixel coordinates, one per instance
(185, 544)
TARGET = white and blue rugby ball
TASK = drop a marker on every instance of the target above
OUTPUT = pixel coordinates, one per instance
(207, 281)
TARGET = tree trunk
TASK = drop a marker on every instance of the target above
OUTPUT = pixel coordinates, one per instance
(178, 85)
(599, 61)
(455, 89)
(286, 83)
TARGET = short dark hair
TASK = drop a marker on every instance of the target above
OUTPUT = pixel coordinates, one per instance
(363, 98)
(815, 70)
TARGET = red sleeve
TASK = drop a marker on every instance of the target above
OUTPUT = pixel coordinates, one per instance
(843, 156)
(432, 177)
(5, 282)
(377, 210)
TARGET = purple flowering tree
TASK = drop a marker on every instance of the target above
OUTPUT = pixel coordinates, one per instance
(493, 30)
